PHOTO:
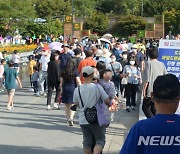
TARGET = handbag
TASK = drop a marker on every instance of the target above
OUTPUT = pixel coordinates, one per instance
(124, 81)
(89, 113)
(103, 114)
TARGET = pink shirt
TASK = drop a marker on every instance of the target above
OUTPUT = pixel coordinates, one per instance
(1, 71)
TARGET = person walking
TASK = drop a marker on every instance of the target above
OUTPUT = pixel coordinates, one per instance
(116, 69)
(88, 94)
(44, 60)
(153, 68)
(32, 64)
(10, 76)
(53, 80)
(133, 75)
(68, 82)
(88, 61)
(159, 134)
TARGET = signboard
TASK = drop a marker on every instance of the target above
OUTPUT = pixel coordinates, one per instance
(149, 34)
(169, 54)
(68, 19)
(133, 39)
(149, 27)
(141, 33)
(159, 30)
(77, 26)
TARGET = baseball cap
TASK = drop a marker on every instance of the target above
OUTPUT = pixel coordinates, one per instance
(166, 87)
(65, 45)
(46, 48)
(87, 70)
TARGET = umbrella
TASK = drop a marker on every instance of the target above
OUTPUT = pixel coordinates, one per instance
(104, 40)
(55, 46)
(107, 36)
(85, 37)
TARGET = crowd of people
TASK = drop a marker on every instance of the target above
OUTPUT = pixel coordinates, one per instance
(114, 72)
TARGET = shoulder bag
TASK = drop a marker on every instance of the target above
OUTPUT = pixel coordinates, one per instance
(89, 113)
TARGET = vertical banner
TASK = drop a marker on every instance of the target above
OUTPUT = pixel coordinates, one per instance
(169, 54)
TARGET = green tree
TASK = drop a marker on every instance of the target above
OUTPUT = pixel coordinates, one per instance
(84, 8)
(52, 8)
(99, 22)
(172, 20)
(15, 15)
(128, 25)
(156, 7)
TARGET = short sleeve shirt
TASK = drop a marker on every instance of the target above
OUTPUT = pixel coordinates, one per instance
(10, 78)
(157, 135)
(153, 69)
(90, 96)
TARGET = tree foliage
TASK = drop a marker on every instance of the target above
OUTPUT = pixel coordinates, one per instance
(172, 21)
(52, 8)
(128, 25)
(99, 23)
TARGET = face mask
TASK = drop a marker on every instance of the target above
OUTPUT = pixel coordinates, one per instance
(124, 56)
(113, 59)
(117, 48)
(132, 62)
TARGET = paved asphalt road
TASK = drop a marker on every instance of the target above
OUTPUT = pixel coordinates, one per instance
(31, 129)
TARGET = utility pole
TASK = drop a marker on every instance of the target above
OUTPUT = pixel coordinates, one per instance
(142, 7)
(72, 17)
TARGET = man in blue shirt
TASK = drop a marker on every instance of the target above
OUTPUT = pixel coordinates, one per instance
(117, 51)
(160, 134)
(64, 56)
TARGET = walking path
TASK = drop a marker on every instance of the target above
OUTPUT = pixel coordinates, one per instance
(31, 128)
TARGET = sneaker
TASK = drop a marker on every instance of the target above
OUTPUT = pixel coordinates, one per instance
(128, 109)
(49, 107)
(44, 95)
(8, 108)
(70, 122)
(56, 107)
(31, 89)
(132, 108)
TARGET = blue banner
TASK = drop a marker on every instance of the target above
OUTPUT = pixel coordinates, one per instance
(171, 59)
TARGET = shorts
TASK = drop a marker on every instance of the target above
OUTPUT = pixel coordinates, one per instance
(93, 129)
(11, 92)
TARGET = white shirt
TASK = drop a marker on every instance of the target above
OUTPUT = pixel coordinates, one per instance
(44, 61)
(178, 110)
(1, 57)
(15, 58)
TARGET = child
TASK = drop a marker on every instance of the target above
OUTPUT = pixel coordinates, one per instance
(31, 65)
(16, 59)
(10, 76)
(34, 80)
(109, 87)
(3, 63)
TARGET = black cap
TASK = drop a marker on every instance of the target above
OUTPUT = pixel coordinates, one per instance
(166, 87)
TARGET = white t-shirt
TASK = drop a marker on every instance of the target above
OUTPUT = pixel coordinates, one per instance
(90, 96)
(44, 61)
(178, 110)
(117, 67)
(124, 47)
(15, 58)
(1, 57)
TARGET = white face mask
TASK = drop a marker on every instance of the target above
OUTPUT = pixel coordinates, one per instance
(132, 62)
(124, 56)
(113, 59)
